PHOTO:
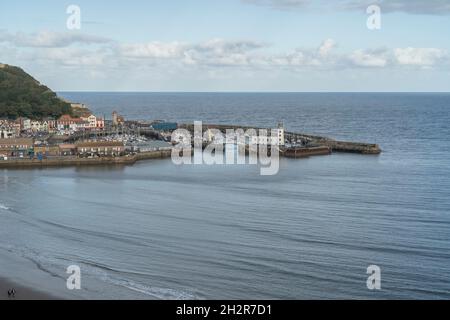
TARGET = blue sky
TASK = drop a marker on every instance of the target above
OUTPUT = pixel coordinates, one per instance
(232, 45)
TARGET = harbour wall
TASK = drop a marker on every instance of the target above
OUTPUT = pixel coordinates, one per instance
(334, 145)
(72, 161)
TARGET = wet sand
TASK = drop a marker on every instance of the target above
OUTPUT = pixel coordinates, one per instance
(22, 293)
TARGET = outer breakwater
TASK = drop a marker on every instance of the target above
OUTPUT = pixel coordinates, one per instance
(305, 152)
(73, 162)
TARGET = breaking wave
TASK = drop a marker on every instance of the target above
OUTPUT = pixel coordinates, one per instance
(155, 292)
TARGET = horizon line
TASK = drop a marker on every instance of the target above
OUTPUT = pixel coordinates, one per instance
(173, 91)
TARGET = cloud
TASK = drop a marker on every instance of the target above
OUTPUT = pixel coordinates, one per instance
(432, 7)
(157, 50)
(71, 57)
(69, 50)
(326, 47)
(280, 4)
(217, 52)
(399, 57)
(424, 57)
(369, 58)
(49, 39)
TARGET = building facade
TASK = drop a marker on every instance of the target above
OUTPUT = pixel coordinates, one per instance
(16, 147)
(100, 148)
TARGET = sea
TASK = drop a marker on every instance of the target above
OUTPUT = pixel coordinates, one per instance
(156, 230)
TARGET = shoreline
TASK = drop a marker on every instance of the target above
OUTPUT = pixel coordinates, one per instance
(22, 292)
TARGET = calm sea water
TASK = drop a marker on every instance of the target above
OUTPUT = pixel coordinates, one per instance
(156, 230)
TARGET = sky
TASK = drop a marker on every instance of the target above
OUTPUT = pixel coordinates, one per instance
(230, 45)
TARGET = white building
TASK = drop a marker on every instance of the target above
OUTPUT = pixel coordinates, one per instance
(91, 120)
(26, 124)
(280, 134)
(7, 132)
(39, 126)
(274, 137)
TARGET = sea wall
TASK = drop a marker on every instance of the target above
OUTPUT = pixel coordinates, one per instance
(306, 152)
(72, 161)
(353, 147)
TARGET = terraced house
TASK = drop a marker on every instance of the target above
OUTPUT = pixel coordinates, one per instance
(9, 129)
(16, 147)
(100, 148)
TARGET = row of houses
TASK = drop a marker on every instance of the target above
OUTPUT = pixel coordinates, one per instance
(65, 124)
(9, 129)
(69, 123)
(26, 147)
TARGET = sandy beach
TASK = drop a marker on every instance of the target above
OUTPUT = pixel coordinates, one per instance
(22, 293)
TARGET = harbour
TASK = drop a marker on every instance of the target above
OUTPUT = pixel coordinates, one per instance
(298, 146)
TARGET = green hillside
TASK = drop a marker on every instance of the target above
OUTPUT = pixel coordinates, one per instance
(23, 96)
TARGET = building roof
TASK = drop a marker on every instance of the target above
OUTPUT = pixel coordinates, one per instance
(68, 117)
(67, 146)
(65, 117)
(93, 144)
(17, 141)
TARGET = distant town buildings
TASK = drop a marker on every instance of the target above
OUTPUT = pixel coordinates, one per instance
(117, 120)
(280, 134)
(66, 124)
(66, 149)
(28, 147)
(16, 147)
(100, 148)
(77, 105)
(82, 136)
(9, 129)
(164, 126)
(93, 123)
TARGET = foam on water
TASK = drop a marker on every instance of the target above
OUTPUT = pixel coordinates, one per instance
(155, 292)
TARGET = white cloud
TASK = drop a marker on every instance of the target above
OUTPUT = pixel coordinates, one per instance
(280, 4)
(367, 58)
(72, 57)
(214, 52)
(221, 46)
(425, 57)
(219, 52)
(157, 50)
(326, 47)
(49, 39)
(244, 55)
